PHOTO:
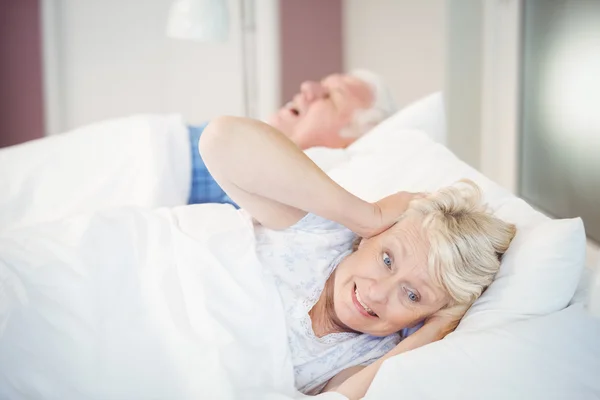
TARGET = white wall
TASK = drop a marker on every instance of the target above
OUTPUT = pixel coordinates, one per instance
(403, 40)
(463, 86)
(500, 90)
(113, 59)
(592, 259)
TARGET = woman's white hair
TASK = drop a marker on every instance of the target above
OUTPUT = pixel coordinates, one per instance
(382, 107)
(466, 242)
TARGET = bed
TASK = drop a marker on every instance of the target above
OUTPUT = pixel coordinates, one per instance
(528, 337)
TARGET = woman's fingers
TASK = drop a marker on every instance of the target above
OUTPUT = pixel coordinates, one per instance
(390, 209)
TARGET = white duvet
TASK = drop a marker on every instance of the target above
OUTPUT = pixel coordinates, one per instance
(137, 304)
(102, 297)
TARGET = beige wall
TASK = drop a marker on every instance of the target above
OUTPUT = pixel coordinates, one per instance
(403, 40)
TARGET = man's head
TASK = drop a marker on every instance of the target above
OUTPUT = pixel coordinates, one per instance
(438, 258)
(335, 111)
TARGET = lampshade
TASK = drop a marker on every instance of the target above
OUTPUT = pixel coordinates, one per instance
(201, 20)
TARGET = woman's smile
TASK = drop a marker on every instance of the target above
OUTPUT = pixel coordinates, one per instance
(362, 308)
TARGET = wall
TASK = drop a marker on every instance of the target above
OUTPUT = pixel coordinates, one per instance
(463, 73)
(21, 105)
(112, 58)
(559, 167)
(592, 259)
(483, 88)
(500, 90)
(403, 40)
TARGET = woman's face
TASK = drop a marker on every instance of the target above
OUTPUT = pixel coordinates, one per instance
(385, 286)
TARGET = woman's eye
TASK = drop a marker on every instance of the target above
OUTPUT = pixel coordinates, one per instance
(387, 260)
(412, 296)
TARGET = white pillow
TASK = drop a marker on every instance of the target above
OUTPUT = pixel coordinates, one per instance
(547, 358)
(426, 115)
(539, 274)
(541, 270)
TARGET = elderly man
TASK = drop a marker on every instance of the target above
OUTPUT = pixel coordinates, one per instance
(331, 113)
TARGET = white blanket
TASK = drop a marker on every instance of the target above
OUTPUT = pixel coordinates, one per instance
(98, 302)
(135, 304)
(140, 160)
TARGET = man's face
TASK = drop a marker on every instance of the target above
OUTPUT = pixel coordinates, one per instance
(317, 114)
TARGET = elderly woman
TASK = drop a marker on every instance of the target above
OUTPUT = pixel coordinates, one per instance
(352, 274)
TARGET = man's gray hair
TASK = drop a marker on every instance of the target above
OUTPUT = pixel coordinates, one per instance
(382, 107)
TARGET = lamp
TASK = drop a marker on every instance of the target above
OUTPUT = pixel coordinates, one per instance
(200, 20)
(208, 21)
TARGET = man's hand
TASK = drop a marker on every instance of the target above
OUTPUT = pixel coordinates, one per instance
(389, 210)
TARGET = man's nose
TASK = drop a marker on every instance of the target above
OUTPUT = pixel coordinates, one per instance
(311, 90)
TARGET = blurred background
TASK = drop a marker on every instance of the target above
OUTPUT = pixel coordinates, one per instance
(70, 62)
(521, 78)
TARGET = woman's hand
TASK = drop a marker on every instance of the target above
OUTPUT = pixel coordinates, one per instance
(445, 321)
(388, 211)
(435, 328)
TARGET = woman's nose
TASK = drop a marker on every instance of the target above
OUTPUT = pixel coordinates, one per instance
(381, 290)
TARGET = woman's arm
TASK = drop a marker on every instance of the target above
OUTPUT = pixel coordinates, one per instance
(341, 377)
(268, 176)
